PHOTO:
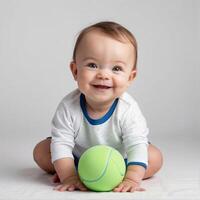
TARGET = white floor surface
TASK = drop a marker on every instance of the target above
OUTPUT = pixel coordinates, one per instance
(179, 178)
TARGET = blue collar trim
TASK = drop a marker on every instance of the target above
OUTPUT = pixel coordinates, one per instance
(102, 119)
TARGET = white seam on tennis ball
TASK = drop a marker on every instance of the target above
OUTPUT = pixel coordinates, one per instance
(104, 171)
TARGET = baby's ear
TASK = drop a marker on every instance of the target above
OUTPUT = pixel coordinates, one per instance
(73, 68)
(132, 75)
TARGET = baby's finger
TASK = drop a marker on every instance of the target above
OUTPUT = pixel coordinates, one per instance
(62, 188)
(57, 187)
(71, 188)
(132, 189)
(139, 189)
(81, 187)
(126, 188)
(118, 188)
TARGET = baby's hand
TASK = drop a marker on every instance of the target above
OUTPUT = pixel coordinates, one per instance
(70, 184)
(128, 185)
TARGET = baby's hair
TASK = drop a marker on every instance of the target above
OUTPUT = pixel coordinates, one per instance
(111, 29)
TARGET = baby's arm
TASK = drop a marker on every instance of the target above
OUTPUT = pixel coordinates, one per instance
(66, 172)
(62, 144)
(132, 179)
(134, 135)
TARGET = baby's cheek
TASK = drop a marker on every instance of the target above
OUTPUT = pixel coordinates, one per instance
(121, 82)
(86, 75)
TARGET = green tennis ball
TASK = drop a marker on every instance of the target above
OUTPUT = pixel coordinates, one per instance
(101, 168)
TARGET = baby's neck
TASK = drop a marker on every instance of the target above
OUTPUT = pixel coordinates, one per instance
(97, 111)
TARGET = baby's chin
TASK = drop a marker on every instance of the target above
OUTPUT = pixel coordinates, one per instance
(101, 99)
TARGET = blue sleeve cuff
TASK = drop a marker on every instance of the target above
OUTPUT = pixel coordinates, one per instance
(137, 163)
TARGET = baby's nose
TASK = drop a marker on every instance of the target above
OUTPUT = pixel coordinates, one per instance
(103, 74)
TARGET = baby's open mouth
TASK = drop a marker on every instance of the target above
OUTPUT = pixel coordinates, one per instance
(102, 86)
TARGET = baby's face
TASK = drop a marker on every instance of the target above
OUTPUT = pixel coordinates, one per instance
(104, 67)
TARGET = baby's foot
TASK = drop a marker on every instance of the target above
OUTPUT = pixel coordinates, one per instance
(55, 178)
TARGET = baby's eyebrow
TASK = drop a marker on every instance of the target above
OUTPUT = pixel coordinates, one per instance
(114, 61)
(89, 58)
(119, 61)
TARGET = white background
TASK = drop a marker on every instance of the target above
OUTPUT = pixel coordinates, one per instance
(36, 43)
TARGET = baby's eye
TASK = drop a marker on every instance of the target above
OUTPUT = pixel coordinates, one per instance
(117, 68)
(92, 65)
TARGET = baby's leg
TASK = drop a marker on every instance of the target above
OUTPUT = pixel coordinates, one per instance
(42, 156)
(155, 161)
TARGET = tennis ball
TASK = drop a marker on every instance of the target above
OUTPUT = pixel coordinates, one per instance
(101, 168)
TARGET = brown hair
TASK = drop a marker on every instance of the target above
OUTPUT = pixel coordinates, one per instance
(112, 29)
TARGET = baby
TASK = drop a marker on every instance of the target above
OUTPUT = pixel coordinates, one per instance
(100, 111)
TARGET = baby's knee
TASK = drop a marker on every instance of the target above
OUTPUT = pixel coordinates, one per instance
(42, 156)
(155, 161)
(41, 149)
(37, 152)
(155, 157)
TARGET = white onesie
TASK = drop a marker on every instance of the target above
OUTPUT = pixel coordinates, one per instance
(123, 127)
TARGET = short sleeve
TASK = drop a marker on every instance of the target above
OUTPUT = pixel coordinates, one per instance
(134, 135)
(62, 132)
